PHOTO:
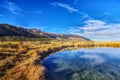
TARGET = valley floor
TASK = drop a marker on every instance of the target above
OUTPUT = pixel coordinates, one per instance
(22, 60)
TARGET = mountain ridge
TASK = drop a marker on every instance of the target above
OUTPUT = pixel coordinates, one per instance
(10, 30)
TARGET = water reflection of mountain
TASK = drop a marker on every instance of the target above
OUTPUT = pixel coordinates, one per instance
(85, 64)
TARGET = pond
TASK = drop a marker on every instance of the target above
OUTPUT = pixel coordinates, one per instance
(84, 64)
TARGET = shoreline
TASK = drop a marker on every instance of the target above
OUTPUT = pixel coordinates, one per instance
(21, 60)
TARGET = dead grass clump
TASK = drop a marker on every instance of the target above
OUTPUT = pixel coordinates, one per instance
(25, 72)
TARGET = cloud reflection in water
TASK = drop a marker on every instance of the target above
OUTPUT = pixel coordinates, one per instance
(84, 64)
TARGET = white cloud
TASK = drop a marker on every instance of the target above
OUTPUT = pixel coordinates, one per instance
(98, 30)
(84, 16)
(91, 25)
(65, 6)
(12, 7)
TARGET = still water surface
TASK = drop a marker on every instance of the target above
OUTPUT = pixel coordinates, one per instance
(84, 64)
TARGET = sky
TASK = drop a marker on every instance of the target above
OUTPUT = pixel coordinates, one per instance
(94, 19)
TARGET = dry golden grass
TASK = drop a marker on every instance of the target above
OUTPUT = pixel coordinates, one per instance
(22, 60)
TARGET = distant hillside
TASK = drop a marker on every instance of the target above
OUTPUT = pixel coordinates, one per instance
(9, 30)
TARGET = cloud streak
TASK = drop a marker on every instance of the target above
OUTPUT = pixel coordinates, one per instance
(65, 6)
(98, 30)
(12, 7)
(84, 16)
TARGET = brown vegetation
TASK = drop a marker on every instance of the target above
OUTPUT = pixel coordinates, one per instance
(22, 60)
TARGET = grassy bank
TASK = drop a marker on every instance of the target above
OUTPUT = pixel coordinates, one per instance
(22, 60)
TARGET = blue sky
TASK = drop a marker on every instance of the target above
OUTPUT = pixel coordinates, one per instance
(94, 19)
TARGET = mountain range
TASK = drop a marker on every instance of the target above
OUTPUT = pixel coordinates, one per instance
(10, 30)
